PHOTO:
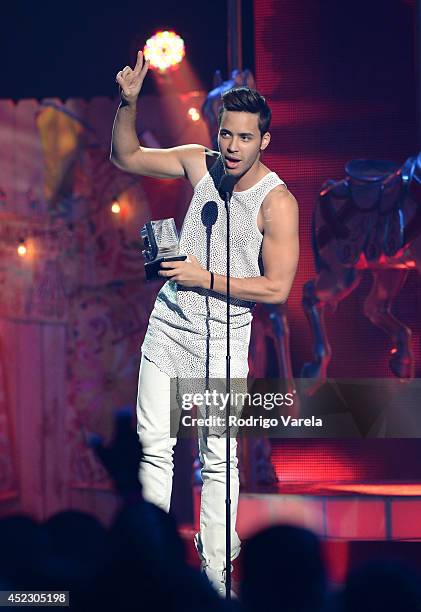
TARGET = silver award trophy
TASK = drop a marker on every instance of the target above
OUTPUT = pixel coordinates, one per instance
(161, 242)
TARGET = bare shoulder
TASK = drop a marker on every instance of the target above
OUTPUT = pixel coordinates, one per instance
(279, 201)
(194, 162)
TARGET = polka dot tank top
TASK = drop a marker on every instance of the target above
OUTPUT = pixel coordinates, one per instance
(186, 335)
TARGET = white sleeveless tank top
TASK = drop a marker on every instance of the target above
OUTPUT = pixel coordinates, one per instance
(186, 335)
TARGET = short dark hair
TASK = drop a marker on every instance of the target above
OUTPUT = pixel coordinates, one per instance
(246, 100)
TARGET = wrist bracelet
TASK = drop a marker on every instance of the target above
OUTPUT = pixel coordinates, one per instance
(212, 279)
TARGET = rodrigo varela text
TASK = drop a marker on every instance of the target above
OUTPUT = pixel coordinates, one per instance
(234, 421)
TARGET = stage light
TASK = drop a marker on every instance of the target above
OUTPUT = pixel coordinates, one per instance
(193, 113)
(21, 248)
(115, 207)
(164, 50)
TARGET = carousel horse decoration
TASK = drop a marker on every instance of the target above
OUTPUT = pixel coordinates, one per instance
(371, 219)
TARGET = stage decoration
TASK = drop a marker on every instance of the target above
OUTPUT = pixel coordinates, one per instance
(165, 50)
(115, 207)
(61, 138)
(8, 482)
(21, 250)
(103, 357)
(370, 220)
(193, 113)
(67, 260)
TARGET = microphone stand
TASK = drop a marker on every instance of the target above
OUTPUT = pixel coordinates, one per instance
(226, 188)
(228, 413)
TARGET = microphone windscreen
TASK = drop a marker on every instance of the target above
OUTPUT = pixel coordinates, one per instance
(227, 184)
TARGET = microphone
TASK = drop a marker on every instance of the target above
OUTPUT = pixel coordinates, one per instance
(211, 153)
(226, 186)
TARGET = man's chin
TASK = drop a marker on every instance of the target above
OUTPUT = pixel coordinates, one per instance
(237, 172)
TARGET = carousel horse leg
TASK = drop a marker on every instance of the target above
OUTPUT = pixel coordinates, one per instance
(386, 286)
(279, 333)
(327, 288)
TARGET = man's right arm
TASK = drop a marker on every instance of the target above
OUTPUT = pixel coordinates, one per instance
(127, 153)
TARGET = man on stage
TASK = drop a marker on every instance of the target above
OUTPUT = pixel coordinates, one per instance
(186, 336)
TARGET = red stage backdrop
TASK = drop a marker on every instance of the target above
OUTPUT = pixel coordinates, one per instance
(340, 81)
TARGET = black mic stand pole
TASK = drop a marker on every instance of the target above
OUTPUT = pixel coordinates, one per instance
(226, 188)
(228, 413)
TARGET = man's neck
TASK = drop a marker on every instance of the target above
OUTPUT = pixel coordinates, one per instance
(251, 177)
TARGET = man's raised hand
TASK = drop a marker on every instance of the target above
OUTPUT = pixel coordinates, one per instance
(131, 81)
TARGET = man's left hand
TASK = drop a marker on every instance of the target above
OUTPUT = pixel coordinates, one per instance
(188, 272)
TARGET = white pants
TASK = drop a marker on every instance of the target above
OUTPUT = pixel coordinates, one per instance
(156, 468)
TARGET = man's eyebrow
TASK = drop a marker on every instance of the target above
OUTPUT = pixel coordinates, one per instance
(240, 134)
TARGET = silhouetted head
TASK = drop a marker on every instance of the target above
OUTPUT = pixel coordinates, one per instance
(78, 550)
(283, 569)
(149, 565)
(22, 545)
(389, 586)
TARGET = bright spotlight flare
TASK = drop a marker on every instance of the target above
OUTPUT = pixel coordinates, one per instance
(21, 249)
(164, 50)
(115, 207)
(193, 113)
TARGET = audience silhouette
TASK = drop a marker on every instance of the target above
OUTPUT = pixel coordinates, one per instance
(283, 569)
(139, 563)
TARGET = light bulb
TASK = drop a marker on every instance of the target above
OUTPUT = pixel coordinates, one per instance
(21, 249)
(193, 113)
(115, 207)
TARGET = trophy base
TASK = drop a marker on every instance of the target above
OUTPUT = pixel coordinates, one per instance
(152, 267)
